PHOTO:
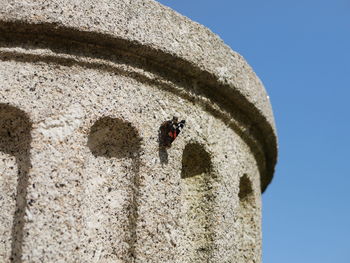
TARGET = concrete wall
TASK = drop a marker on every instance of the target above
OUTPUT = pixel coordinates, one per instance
(84, 89)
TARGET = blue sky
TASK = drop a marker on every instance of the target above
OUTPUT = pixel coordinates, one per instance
(301, 51)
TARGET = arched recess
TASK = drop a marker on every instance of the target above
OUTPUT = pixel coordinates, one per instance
(198, 202)
(117, 143)
(247, 221)
(15, 139)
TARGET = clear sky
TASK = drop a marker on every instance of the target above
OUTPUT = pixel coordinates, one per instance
(301, 51)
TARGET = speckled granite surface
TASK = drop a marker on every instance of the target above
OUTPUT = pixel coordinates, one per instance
(84, 88)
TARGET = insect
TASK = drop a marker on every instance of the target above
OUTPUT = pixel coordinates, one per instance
(169, 130)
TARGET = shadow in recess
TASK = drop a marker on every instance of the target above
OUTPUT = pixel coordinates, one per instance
(199, 200)
(245, 189)
(15, 139)
(116, 138)
(247, 218)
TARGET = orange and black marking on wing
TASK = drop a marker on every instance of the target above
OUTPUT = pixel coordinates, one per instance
(169, 130)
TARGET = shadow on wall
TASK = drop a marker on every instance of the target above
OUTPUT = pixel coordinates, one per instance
(15, 139)
(245, 191)
(115, 138)
(198, 202)
(247, 218)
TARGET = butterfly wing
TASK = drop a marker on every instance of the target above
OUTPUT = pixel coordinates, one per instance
(170, 130)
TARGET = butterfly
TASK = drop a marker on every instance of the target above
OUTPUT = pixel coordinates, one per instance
(169, 130)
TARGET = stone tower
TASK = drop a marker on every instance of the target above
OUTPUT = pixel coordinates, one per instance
(84, 89)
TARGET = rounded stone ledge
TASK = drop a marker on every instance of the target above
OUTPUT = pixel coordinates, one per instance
(156, 33)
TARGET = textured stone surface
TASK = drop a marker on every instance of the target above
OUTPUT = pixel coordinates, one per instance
(84, 88)
(147, 29)
(152, 25)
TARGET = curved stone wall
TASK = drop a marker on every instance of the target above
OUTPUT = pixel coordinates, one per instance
(84, 89)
